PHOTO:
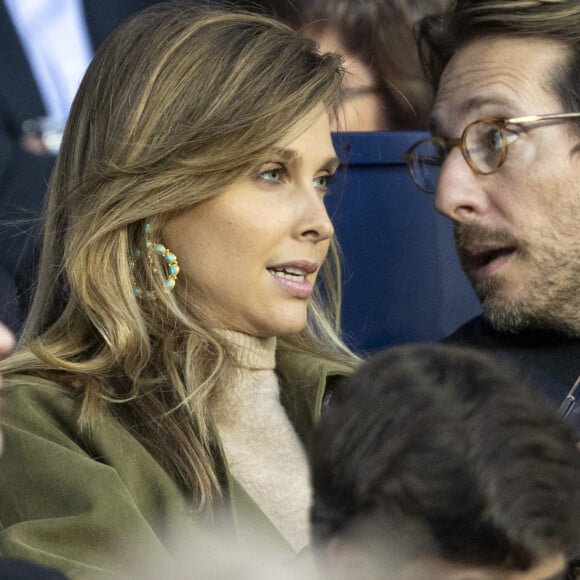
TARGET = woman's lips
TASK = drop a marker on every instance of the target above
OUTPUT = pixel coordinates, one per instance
(292, 277)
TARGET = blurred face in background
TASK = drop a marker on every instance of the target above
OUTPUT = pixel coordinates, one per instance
(362, 108)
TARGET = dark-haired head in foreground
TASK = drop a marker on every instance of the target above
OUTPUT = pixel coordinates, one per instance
(433, 462)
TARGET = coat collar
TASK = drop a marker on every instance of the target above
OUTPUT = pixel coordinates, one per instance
(304, 380)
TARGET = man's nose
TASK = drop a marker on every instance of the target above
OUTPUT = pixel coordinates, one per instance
(459, 194)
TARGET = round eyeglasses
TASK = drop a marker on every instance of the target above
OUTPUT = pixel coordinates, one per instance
(483, 144)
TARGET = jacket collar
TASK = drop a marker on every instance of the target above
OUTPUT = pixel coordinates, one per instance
(304, 379)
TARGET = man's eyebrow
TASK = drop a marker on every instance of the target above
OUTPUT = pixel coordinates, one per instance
(477, 102)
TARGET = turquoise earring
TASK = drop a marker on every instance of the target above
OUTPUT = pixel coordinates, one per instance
(152, 249)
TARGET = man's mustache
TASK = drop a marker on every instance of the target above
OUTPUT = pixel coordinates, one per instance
(469, 235)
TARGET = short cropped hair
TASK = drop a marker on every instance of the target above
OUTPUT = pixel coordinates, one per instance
(442, 35)
(442, 439)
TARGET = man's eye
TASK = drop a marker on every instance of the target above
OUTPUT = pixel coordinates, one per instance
(492, 140)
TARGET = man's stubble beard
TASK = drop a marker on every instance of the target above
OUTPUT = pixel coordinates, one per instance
(551, 298)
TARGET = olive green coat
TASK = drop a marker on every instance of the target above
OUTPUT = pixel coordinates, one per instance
(97, 507)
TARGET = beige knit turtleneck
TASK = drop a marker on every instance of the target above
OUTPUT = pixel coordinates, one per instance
(263, 451)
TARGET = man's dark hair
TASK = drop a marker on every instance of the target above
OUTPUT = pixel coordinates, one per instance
(442, 439)
(442, 35)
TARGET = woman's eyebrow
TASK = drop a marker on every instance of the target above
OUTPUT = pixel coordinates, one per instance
(287, 155)
(291, 156)
(331, 164)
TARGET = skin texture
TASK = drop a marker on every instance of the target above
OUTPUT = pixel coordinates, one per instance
(346, 561)
(529, 208)
(274, 216)
(549, 569)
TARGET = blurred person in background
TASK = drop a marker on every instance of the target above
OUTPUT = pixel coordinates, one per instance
(385, 87)
(45, 48)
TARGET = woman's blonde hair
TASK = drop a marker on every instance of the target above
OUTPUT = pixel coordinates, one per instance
(177, 104)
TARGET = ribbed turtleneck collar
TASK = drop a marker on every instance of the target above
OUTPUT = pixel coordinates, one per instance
(252, 352)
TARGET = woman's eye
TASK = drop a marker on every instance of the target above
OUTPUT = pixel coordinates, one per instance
(323, 182)
(272, 174)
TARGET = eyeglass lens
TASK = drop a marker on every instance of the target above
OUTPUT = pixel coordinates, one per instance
(483, 148)
(484, 145)
(427, 159)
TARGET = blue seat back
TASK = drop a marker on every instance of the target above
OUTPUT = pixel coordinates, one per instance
(402, 278)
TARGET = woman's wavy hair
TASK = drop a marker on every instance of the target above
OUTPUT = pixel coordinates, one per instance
(178, 103)
(442, 35)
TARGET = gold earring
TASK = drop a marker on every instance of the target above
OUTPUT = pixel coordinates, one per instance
(161, 251)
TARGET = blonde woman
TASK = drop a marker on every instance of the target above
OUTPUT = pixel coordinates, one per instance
(184, 330)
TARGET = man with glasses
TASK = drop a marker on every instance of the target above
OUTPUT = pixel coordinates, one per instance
(504, 165)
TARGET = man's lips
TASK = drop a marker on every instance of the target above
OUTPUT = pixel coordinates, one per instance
(480, 257)
(484, 251)
(483, 262)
